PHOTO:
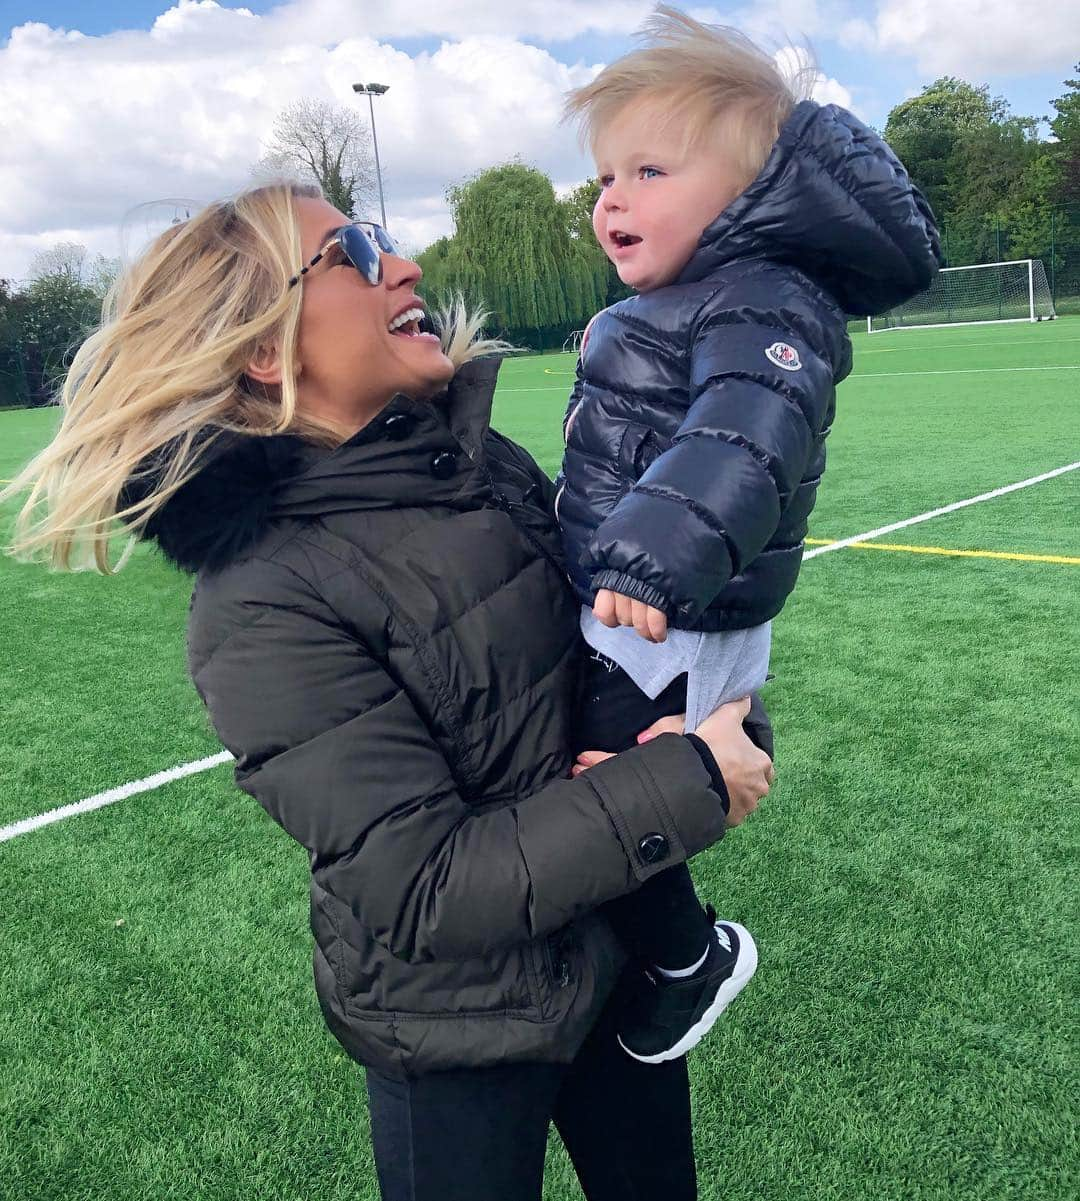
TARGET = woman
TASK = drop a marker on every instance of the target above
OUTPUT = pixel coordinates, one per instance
(383, 637)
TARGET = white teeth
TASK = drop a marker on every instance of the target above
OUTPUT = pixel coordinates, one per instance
(404, 318)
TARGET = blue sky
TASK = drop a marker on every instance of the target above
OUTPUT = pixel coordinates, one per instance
(94, 127)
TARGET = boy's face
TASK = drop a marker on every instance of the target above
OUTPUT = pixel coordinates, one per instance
(657, 198)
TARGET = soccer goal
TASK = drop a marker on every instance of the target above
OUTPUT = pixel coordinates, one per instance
(573, 342)
(1014, 291)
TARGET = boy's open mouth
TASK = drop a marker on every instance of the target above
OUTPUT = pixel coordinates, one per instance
(621, 239)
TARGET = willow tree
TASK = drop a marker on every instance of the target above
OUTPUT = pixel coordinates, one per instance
(512, 251)
(577, 208)
(435, 262)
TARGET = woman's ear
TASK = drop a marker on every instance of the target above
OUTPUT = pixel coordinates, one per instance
(264, 366)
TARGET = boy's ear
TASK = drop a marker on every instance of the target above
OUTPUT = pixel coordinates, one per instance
(264, 366)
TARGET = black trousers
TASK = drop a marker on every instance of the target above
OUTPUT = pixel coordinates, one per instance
(662, 922)
(479, 1134)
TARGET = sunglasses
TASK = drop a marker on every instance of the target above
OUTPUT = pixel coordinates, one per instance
(363, 244)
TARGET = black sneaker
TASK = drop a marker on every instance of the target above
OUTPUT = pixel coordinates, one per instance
(663, 1018)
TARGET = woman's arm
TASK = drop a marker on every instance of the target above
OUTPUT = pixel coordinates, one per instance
(332, 747)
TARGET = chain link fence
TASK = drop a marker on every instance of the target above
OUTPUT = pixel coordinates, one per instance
(1050, 234)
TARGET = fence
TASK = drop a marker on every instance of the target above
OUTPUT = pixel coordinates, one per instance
(1051, 234)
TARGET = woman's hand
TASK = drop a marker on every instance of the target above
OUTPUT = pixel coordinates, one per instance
(747, 770)
(589, 759)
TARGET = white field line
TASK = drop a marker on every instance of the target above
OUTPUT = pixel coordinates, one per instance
(957, 346)
(199, 765)
(854, 375)
(956, 371)
(960, 504)
(112, 796)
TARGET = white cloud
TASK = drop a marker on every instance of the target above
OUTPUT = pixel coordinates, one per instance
(91, 127)
(974, 38)
(792, 60)
(547, 20)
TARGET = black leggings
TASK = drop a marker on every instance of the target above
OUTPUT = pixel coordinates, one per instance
(479, 1134)
(661, 922)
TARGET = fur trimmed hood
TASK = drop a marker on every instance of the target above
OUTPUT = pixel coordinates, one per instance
(246, 482)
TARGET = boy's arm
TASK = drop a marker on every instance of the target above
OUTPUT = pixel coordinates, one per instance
(760, 396)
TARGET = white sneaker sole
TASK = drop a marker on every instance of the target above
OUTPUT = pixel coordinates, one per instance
(745, 967)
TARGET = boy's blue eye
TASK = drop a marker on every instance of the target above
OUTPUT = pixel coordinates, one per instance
(606, 180)
(650, 172)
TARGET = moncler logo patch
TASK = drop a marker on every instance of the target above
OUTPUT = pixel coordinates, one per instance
(784, 356)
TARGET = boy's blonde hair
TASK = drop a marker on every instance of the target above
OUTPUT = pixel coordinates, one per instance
(167, 369)
(719, 90)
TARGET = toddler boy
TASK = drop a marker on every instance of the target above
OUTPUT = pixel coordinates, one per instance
(751, 223)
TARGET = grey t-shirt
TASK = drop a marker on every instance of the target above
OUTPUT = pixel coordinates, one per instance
(720, 667)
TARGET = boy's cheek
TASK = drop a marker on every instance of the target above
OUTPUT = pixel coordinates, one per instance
(598, 227)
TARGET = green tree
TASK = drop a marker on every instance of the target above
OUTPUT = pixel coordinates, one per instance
(927, 130)
(55, 312)
(990, 165)
(13, 382)
(1066, 128)
(512, 251)
(58, 312)
(435, 263)
(578, 210)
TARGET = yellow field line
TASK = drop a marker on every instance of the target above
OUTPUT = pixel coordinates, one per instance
(945, 550)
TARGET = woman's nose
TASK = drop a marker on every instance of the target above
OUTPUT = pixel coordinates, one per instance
(399, 272)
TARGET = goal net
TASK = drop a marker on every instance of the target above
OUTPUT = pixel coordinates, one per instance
(573, 342)
(1015, 291)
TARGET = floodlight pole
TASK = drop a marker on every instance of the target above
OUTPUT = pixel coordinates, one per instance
(369, 90)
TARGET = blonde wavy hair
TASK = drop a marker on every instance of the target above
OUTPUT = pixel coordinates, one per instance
(166, 368)
(718, 89)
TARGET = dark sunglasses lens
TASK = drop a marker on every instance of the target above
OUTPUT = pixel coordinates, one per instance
(385, 241)
(379, 237)
(362, 253)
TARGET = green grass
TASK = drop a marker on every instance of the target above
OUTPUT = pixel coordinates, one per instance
(908, 1033)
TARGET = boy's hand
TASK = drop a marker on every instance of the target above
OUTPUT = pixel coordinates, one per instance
(613, 609)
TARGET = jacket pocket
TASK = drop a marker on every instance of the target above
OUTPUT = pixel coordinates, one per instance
(639, 447)
(532, 964)
(548, 972)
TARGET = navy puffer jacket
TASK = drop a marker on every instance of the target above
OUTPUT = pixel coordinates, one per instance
(695, 432)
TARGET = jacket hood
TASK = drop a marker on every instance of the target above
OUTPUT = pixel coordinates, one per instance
(247, 481)
(835, 202)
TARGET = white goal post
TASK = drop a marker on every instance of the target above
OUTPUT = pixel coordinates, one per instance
(1012, 291)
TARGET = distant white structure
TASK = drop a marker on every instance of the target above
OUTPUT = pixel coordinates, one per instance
(1013, 291)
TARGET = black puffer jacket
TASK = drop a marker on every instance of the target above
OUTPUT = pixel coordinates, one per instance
(384, 638)
(695, 433)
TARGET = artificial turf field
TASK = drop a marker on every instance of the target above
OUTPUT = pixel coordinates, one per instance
(911, 880)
